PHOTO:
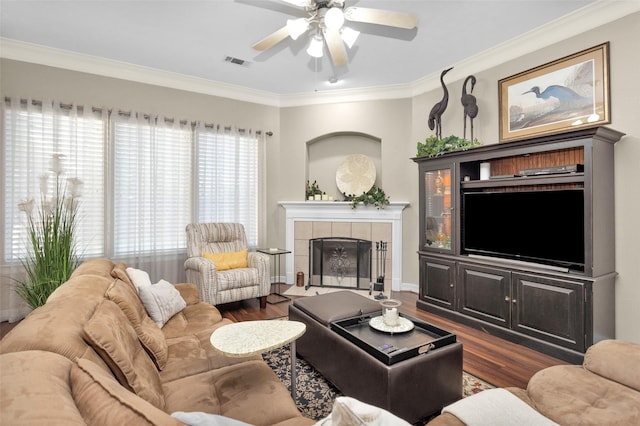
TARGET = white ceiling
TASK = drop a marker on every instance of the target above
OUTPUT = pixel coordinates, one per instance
(193, 38)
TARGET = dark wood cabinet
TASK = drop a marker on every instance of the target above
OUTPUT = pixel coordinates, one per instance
(485, 293)
(437, 282)
(554, 308)
(550, 309)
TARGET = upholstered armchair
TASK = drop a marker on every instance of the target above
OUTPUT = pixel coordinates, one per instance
(229, 285)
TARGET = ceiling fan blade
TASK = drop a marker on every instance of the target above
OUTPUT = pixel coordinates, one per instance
(299, 3)
(381, 17)
(272, 39)
(336, 48)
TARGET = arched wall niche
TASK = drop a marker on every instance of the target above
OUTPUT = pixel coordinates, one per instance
(325, 153)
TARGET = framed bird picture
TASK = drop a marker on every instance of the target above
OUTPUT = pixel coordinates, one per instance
(563, 95)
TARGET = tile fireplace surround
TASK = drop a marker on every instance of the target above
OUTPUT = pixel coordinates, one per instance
(317, 219)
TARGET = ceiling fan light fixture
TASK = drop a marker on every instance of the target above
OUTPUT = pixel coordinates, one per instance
(315, 47)
(334, 18)
(297, 27)
(349, 36)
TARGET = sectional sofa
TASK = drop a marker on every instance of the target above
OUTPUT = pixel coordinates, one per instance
(604, 390)
(93, 355)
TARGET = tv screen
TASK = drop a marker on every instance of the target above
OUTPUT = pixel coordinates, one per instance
(545, 227)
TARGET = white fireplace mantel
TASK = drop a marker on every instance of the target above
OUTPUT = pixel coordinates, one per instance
(342, 211)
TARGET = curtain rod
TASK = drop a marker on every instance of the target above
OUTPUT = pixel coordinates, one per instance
(67, 106)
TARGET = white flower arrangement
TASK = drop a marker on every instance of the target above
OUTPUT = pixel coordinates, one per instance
(51, 228)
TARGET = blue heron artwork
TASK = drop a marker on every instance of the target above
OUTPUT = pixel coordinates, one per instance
(564, 95)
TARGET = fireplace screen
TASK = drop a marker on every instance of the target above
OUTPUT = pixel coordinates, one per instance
(339, 262)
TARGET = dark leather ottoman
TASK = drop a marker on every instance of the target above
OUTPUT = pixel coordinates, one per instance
(412, 389)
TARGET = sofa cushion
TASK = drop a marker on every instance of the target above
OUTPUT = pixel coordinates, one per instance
(162, 301)
(119, 271)
(571, 395)
(249, 391)
(228, 260)
(35, 390)
(148, 332)
(103, 401)
(115, 340)
(611, 359)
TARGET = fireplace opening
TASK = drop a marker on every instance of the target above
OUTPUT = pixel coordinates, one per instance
(339, 262)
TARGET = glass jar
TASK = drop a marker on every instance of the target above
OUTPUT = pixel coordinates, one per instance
(390, 313)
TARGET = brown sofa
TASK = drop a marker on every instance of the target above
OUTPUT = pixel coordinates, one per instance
(92, 355)
(604, 390)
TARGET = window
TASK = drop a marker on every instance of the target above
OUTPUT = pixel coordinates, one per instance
(152, 190)
(33, 133)
(229, 174)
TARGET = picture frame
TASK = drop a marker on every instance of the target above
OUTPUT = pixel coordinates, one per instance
(566, 94)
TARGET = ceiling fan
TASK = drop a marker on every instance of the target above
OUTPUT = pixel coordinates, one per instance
(326, 25)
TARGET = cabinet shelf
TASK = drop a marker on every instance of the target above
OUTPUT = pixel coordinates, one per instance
(568, 178)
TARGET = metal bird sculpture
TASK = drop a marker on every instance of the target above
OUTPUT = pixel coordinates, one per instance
(561, 93)
(469, 104)
(438, 109)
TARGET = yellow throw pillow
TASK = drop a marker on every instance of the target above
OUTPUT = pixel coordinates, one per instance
(228, 260)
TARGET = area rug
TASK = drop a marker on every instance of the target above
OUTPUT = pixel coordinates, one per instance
(315, 395)
(314, 291)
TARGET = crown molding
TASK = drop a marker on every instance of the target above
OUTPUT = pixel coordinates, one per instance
(591, 16)
(59, 58)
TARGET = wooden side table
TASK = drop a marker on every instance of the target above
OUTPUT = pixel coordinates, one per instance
(247, 338)
(276, 273)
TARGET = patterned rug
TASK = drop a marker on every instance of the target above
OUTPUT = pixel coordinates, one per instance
(315, 395)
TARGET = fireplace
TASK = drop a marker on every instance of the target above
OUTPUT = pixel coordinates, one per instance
(339, 262)
(306, 220)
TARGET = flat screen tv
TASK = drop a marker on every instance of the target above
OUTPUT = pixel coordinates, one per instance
(544, 227)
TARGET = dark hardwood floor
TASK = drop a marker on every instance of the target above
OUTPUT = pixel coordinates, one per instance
(495, 360)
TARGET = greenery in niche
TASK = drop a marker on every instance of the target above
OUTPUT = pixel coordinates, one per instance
(432, 146)
(51, 232)
(375, 197)
(312, 189)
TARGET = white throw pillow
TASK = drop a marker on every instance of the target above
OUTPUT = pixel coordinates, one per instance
(162, 301)
(197, 418)
(139, 278)
(350, 411)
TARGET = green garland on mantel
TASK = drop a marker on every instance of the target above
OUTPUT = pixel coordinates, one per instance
(433, 147)
(375, 197)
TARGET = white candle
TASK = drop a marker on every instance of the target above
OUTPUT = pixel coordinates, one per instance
(391, 316)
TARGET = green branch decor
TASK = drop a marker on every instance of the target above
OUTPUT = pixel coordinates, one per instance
(433, 147)
(312, 190)
(374, 197)
(51, 234)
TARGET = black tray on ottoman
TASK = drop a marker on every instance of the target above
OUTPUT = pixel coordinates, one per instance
(413, 388)
(393, 347)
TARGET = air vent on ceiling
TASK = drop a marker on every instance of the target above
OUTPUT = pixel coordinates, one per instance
(236, 61)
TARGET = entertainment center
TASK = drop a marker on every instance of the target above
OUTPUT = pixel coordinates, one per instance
(517, 239)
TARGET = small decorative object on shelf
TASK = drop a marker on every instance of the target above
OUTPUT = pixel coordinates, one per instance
(375, 196)
(433, 147)
(313, 190)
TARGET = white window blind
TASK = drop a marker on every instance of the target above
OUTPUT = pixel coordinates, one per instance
(152, 185)
(33, 133)
(229, 171)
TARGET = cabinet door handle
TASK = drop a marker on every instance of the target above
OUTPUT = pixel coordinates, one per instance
(514, 301)
(507, 299)
(451, 285)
